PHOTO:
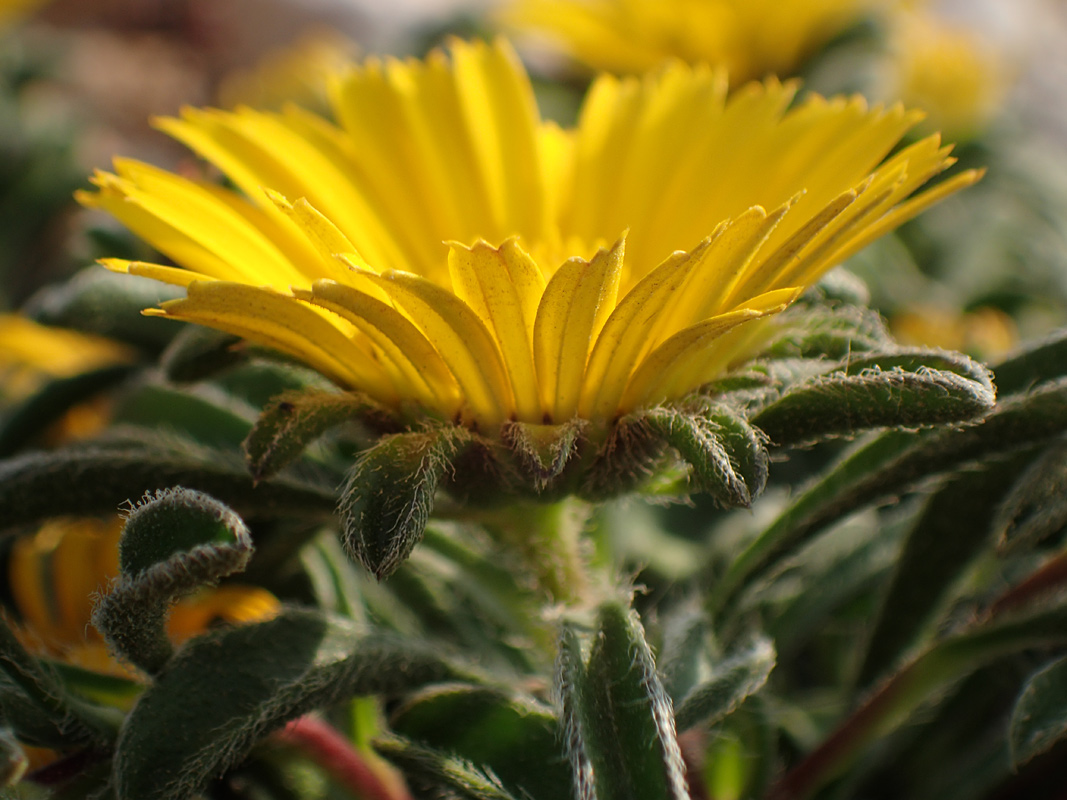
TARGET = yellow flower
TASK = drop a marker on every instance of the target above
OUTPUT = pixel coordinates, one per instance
(31, 354)
(55, 575)
(295, 74)
(949, 71)
(333, 252)
(750, 38)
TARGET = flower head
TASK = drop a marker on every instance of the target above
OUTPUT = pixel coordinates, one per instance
(750, 38)
(445, 251)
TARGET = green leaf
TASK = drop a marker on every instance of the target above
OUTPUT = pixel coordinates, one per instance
(1039, 362)
(1035, 508)
(225, 690)
(1039, 719)
(727, 456)
(513, 737)
(295, 419)
(910, 389)
(952, 530)
(101, 302)
(96, 478)
(683, 654)
(543, 451)
(891, 464)
(205, 413)
(733, 680)
(29, 420)
(172, 544)
(618, 726)
(833, 333)
(196, 353)
(34, 699)
(441, 770)
(389, 493)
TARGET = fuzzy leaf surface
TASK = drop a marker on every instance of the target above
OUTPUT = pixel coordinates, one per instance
(294, 420)
(224, 691)
(171, 545)
(513, 737)
(907, 390)
(97, 478)
(389, 493)
(893, 463)
(727, 457)
(618, 722)
(443, 770)
(733, 680)
(1036, 507)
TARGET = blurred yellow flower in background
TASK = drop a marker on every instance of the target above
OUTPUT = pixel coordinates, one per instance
(959, 78)
(295, 74)
(986, 333)
(31, 354)
(55, 575)
(750, 38)
(446, 251)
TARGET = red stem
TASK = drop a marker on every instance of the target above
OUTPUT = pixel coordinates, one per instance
(328, 748)
(1048, 576)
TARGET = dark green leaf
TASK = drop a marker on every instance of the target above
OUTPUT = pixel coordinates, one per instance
(1036, 507)
(1038, 363)
(224, 691)
(197, 352)
(733, 680)
(513, 737)
(389, 493)
(894, 463)
(619, 729)
(1039, 718)
(952, 530)
(295, 419)
(833, 333)
(96, 478)
(906, 390)
(205, 413)
(101, 302)
(683, 656)
(442, 770)
(728, 457)
(172, 544)
(27, 421)
(33, 699)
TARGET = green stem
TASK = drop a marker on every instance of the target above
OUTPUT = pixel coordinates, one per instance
(548, 538)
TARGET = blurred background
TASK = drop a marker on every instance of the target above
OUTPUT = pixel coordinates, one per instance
(81, 80)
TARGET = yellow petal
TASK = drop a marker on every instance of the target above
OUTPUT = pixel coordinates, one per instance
(403, 343)
(286, 324)
(461, 340)
(504, 286)
(626, 334)
(572, 311)
(671, 362)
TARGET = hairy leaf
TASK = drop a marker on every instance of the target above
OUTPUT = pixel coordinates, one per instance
(733, 679)
(172, 544)
(224, 691)
(295, 419)
(389, 493)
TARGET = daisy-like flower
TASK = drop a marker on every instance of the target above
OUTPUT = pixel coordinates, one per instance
(55, 576)
(750, 38)
(446, 252)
